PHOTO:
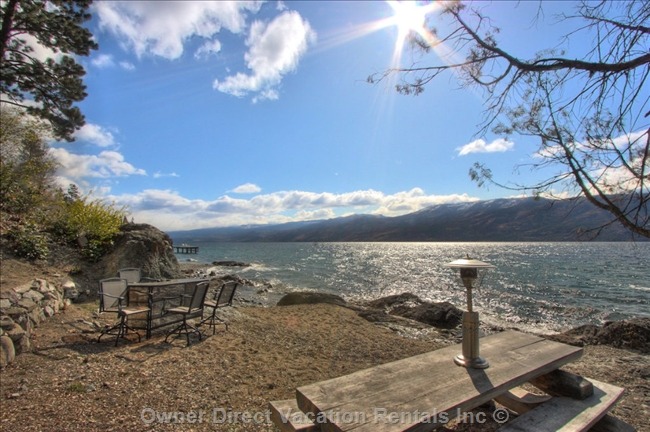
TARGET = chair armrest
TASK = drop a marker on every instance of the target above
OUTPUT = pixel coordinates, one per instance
(119, 301)
(112, 296)
(164, 305)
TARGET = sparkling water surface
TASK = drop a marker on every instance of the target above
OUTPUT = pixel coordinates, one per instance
(541, 286)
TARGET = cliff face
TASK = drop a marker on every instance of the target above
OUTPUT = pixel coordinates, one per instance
(145, 247)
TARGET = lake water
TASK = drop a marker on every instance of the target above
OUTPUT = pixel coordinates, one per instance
(541, 286)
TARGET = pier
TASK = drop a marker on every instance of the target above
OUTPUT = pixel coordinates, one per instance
(185, 249)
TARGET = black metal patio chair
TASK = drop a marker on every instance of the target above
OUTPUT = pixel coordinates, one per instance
(222, 298)
(113, 298)
(134, 275)
(195, 306)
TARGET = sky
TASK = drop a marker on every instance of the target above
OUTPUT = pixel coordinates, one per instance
(205, 114)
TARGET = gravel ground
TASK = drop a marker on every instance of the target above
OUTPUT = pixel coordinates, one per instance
(70, 382)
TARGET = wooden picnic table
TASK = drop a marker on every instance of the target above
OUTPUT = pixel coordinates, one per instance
(424, 392)
(153, 294)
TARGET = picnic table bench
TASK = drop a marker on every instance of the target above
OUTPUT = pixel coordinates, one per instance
(424, 392)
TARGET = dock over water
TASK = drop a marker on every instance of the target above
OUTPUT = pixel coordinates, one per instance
(185, 249)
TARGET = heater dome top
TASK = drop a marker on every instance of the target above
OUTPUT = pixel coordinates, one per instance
(469, 263)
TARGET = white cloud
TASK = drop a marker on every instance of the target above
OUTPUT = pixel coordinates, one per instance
(607, 168)
(169, 211)
(161, 28)
(480, 146)
(95, 134)
(127, 66)
(103, 61)
(246, 189)
(40, 52)
(208, 48)
(106, 164)
(159, 175)
(275, 49)
(321, 214)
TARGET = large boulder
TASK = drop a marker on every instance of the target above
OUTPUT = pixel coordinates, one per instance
(393, 301)
(145, 247)
(297, 298)
(441, 315)
(407, 305)
(633, 334)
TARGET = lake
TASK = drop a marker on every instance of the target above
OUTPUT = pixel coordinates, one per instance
(542, 286)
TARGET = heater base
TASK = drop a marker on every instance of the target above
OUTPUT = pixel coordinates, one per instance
(474, 363)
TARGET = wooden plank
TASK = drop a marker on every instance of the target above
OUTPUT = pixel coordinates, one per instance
(286, 416)
(563, 414)
(562, 383)
(609, 423)
(521, 401)
(402, 395)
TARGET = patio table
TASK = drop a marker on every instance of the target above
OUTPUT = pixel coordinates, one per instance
(153, 294)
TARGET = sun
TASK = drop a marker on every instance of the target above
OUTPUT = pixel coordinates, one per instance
(410, 16)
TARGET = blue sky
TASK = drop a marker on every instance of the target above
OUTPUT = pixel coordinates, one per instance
(217, 114)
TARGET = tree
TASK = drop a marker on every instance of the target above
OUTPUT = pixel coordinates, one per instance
(590, 116)
(27, 169)
(45, 88)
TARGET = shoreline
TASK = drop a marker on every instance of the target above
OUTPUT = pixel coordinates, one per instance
(69, 381)
(262, 294)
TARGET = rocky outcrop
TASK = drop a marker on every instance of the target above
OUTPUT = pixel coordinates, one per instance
(26, 306)
(230, 264)
(632, 334)
(441, 315)
(297, 298)
(145, 247)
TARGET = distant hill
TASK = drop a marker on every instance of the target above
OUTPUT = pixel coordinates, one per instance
(515, 219)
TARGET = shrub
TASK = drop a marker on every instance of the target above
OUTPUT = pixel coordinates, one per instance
(90, 224)
(28, 243)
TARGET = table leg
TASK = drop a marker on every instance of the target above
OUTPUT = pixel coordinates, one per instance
(150, 317)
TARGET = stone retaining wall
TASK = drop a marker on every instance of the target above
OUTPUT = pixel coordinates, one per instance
(25, 307)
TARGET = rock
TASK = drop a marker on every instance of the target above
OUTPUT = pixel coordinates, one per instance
(21, 289)
(17, 314)
(39, 284)
(33, 295)
(27, 304)
(10, 295)
(407, 305)
(70, 290)
(46, 288)
(297, 298)
(37, 316)
(230, 264)
(632, 334)
(22, 345)
(389, 302)
(441, 315)
(6, 323)
(55, 305)
(18, 335)
(142, 246)
(7, 351)
(5, 304)
(48, 311)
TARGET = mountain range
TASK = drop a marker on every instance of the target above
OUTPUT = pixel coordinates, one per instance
(508, 219)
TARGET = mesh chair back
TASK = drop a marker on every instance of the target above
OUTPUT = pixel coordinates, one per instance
(114, 287)
(226, 294)
(198, 298)
(132, 275)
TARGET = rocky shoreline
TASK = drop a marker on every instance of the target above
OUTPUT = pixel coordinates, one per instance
(65, 380)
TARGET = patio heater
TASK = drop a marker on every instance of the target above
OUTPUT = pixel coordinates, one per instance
(472, 273)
